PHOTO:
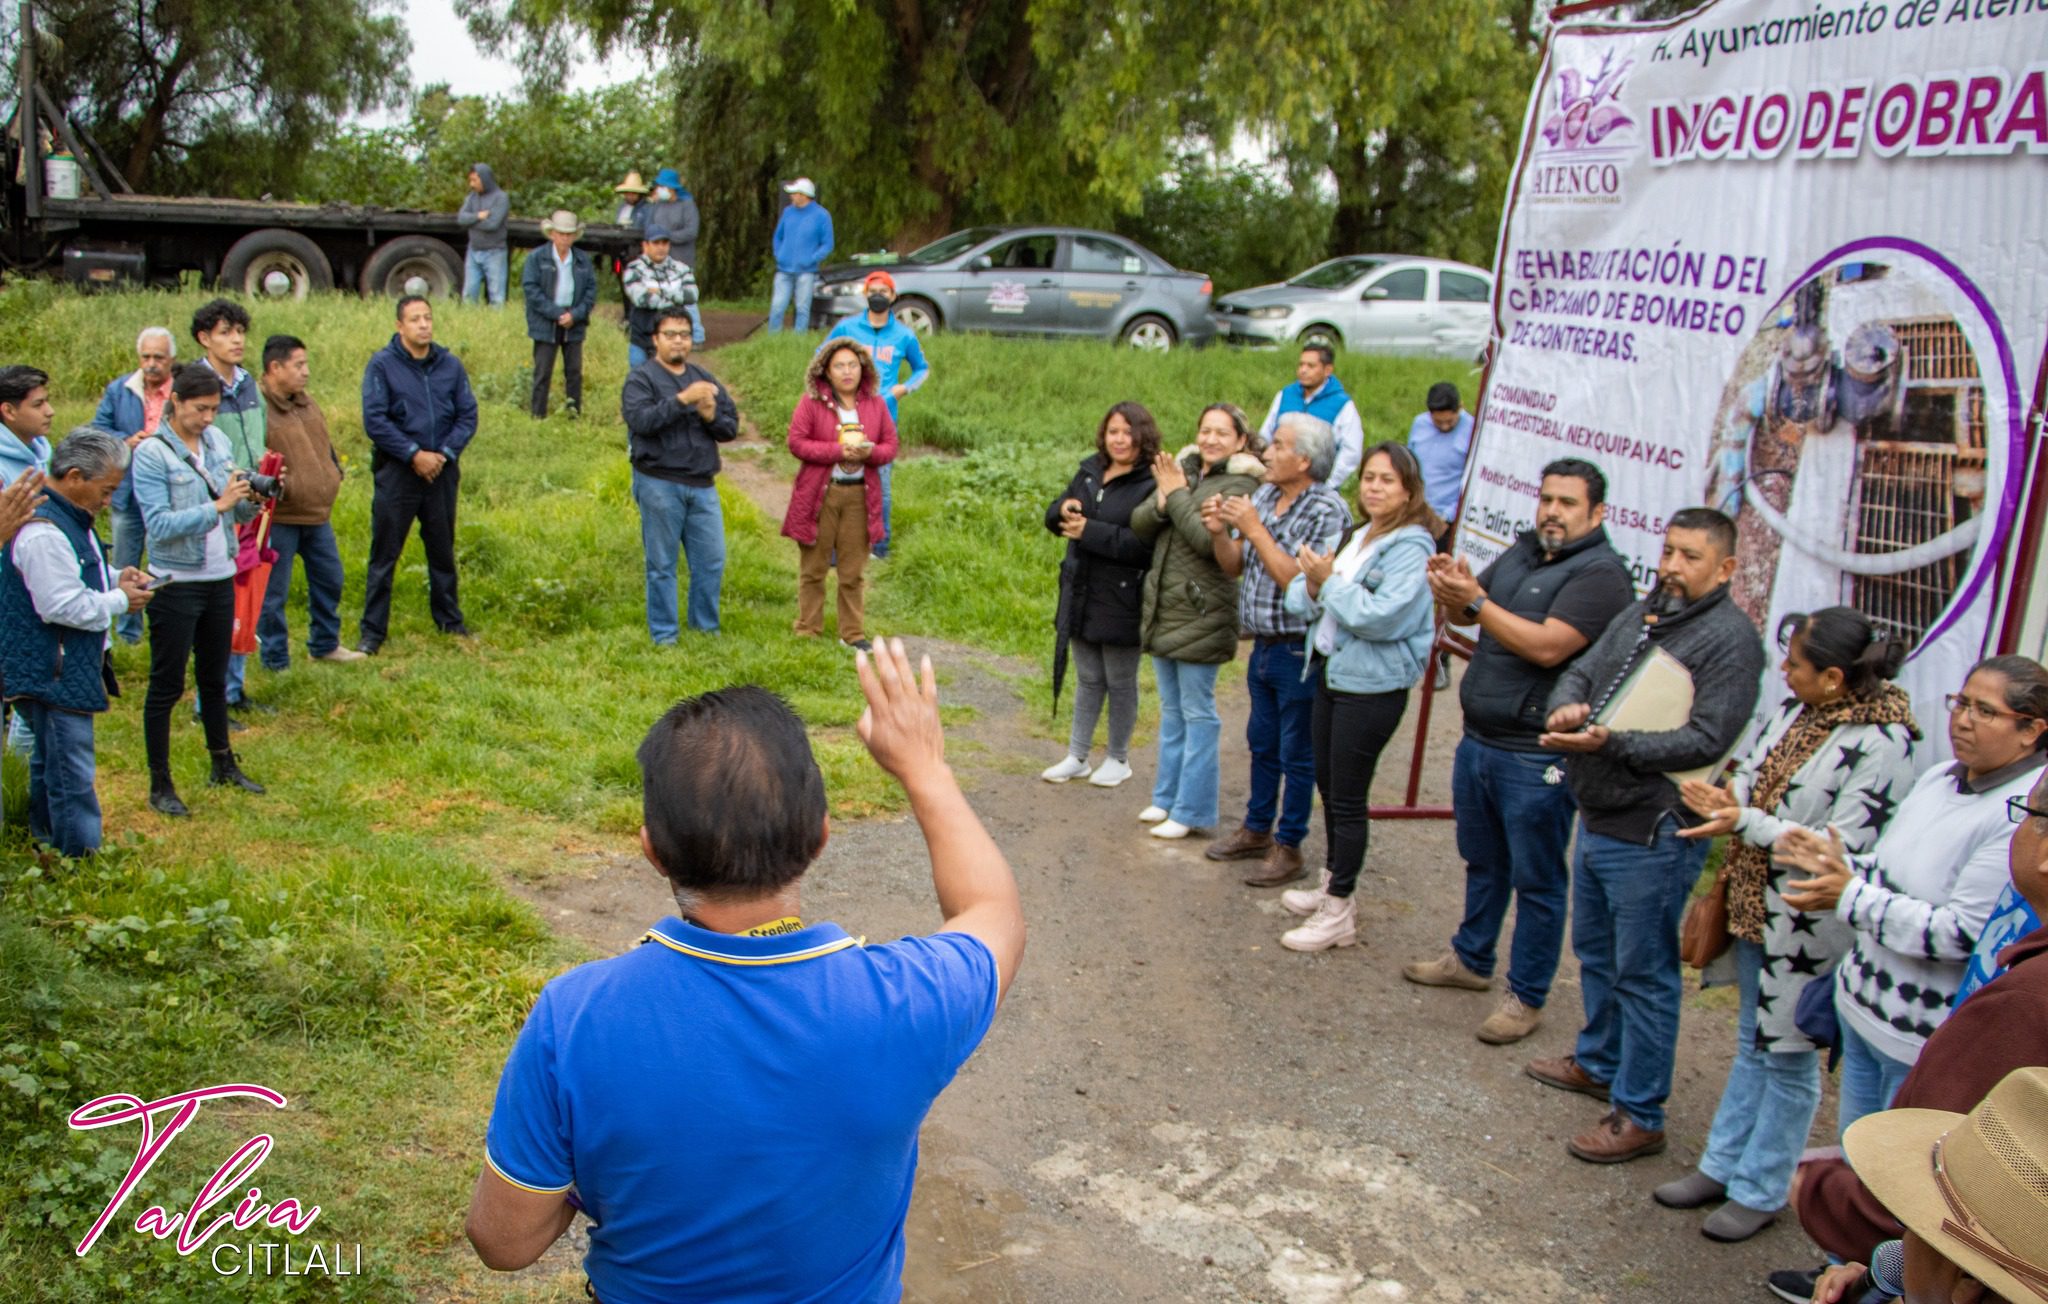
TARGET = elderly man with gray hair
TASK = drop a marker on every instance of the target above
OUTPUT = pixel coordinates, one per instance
(130, 408)
(1258, 538)
(58, 598)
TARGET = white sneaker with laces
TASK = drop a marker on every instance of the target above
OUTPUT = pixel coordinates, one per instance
(1170, 829)
(1068, 768)
(1335, 923)
(1304, 901)
(1110, 773)
(1153, 814)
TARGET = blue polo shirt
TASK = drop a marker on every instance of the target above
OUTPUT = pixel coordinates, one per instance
(1442, 456)
(739, 1115)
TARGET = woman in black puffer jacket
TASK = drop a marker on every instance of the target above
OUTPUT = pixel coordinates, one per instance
(1102, 584)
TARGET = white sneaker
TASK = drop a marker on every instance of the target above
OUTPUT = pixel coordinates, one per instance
(1153, 814)
(1170, 829)
(1306, 901)
(341, 654)
(1068, 768)
(1110, 773)
(1335, 923)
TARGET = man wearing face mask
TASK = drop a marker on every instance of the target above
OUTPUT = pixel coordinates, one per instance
(1632, 873)
(894, 347)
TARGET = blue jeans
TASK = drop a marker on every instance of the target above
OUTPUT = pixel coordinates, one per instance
(313, 545)
(1282, 746)
(127, 549)
(1766, 1109)
(63, 809)
(1627, 900)
(1189, 733)
(800, 284)
(485, 269)
(882, 549)
(696, 324)
(1513, 831)
(635, 355)
(1870, 1078)
(681, 516)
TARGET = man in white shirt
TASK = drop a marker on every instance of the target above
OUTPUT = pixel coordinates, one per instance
(59, 598)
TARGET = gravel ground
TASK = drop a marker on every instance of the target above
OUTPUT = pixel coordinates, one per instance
(1172, 1107)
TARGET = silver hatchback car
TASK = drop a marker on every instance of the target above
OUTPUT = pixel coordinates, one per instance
(1368, 303)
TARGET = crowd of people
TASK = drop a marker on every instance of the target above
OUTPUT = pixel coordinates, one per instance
(1879, 904)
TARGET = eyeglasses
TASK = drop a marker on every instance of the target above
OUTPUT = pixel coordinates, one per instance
(1983, 711)
(673, 335)
(2017, 810)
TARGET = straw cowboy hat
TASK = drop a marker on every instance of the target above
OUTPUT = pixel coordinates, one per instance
(1973, 1186)
(632, 185)
(561, 220)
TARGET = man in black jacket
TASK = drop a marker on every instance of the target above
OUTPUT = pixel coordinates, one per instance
(676, 417)
(1538, 607)
(1633, 873)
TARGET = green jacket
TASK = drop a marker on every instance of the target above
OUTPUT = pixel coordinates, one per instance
(1190, 611)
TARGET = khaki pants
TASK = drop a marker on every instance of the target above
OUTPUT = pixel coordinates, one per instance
(842, 526)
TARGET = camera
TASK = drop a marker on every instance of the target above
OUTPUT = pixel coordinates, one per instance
(265, 486)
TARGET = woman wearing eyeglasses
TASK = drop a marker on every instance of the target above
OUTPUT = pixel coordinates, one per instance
(1919, 898)
(1838, 753)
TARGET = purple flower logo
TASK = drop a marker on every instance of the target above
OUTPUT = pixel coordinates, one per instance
(1588, 112)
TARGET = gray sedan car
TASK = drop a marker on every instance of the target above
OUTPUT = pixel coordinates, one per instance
(1033, 280)
(1369, 303)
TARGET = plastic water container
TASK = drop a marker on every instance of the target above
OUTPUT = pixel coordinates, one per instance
(60, 176)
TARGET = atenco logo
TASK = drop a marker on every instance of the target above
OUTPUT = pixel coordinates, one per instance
(251, 1211)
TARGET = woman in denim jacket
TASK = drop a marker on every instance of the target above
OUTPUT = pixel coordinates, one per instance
(191, 497)
(1370, 627)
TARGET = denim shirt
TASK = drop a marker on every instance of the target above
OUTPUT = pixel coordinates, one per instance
(177, 502)
(1385, 618)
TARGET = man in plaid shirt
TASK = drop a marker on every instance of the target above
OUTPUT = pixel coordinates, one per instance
(653, 282)
(1295, 506)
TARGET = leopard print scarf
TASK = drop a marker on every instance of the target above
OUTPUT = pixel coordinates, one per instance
(1749, 867)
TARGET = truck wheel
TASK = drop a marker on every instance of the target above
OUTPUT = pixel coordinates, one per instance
(276, 264)
(412, 264)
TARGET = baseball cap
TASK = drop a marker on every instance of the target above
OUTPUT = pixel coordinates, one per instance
(802, 186)
(883, 277)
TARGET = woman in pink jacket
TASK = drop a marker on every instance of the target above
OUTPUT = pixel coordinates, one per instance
(842, 433)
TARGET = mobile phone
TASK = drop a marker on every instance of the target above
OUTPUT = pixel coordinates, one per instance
(158, 581)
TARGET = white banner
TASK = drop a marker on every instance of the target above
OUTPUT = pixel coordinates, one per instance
(1789, 259)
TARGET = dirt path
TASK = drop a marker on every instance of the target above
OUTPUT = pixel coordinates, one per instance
(1173, 1107)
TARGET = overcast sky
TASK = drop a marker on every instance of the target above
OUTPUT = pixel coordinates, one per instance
(443, 52)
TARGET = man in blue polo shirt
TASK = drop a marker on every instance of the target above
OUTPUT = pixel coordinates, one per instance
(894, 347)
(735, 1103)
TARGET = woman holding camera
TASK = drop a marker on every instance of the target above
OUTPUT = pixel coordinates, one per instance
(1102, 584)
(191, 498)
(842, 434)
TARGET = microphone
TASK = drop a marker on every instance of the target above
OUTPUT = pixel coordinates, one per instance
(1888, 1269)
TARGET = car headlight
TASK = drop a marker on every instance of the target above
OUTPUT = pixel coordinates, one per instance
(845, 290)
(1270, 314)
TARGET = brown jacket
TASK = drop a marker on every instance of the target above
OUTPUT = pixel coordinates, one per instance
(312, 473)
(2002, 1027)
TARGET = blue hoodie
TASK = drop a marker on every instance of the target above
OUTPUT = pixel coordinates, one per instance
(803, 238)
(17, 457)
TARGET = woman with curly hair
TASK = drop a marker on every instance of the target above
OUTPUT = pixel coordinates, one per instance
(842, 433)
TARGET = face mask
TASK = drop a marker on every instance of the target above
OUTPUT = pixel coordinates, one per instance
(879, 302)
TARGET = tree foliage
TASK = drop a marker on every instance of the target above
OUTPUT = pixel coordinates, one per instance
(218, 96)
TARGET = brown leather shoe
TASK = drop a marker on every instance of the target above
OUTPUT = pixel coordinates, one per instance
(1241, 845)
(1281, 865)
(1565, 1074)
(1615, 1139)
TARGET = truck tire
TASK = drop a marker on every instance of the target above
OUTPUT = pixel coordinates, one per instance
(412, 264)
(276, 264)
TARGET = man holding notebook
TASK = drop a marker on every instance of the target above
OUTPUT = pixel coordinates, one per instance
(1632, 873)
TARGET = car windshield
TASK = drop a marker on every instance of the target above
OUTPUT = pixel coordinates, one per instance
(1335, 274)
(952, 246)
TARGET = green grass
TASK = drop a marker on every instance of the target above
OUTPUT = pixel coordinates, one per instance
(348, 939)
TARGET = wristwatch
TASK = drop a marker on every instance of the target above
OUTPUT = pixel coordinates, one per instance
(1471, 611)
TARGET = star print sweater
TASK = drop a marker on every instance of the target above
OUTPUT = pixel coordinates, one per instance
(1917, 901)
(1855, 782)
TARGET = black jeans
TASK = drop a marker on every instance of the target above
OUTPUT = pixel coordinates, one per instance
(1349, 731)
(401, 497)
(544, 373)
(188, 620)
